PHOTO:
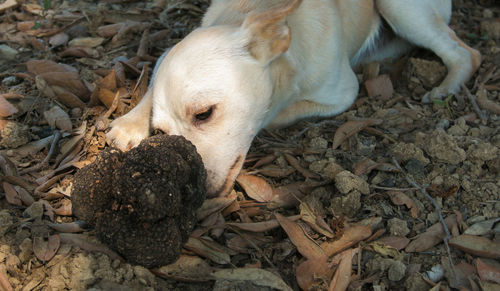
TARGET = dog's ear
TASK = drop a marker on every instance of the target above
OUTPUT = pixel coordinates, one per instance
(269, 35)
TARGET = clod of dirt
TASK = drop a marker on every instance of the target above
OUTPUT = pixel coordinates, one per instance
(14, 135)
(430, 73)
(143, 202)
(346, 181)
(441, 146)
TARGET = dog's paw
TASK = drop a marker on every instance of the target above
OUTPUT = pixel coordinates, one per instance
(437, 93)
(127, 132)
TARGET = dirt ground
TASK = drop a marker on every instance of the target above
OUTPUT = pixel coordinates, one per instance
(320, 204)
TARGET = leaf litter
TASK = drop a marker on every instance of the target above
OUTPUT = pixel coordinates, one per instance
(76, 84)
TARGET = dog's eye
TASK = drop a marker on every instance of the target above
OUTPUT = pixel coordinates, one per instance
(204, 115)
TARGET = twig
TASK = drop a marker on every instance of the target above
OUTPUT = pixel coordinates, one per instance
(329, 122)
(474, 104)
(392, 189)
(4, 282)
(256, 247)
(52, 151)
(438, 210)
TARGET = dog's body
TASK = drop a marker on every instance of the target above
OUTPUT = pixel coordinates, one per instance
(268, 63)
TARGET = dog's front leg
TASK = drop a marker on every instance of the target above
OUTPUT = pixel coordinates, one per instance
(130, 129)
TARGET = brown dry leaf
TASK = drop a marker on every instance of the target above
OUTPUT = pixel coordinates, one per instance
(58, 39)
(385, 250)
(434, 235)
(7, 166)
(396, 242)
(286, 196)
(187, 268)
(24, 195)
(265, 161)
(246, 242)
(255, 187)
(8, 4)
(214, 205)
(275, 171)
(6, 109)
(256, 276)
(476, 245)
(11, 194)
(487, 104)
(342, 276)
(46, 249)
(380, 86)
(487, 272)
(63, 207)
(262, 226)
(364, 167)
(309, 216)
(483, 227)
(313, 273)
(58, 118)
(212, 252)
(33, 147)
(109, 30)
(350, 128)
(83, 241)
(68, 227)
(80, 52)
(296, 164)
(306, 246)
(371, 71)
(458, 276)
(60, 75)
(350, 237)
(141, 87)
(400, 198)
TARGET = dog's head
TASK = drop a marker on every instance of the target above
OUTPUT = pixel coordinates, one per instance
(215, 88)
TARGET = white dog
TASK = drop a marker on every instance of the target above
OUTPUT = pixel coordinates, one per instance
(267, 63)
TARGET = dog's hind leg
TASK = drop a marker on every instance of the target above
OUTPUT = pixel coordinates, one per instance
(425, 23)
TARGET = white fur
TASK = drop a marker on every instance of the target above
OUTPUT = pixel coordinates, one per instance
(216, 66)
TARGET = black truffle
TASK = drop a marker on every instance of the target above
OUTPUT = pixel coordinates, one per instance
(143, 202)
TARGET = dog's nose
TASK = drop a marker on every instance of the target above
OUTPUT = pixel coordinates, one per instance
(158, 131)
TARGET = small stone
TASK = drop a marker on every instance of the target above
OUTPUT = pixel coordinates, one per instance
(491, 28)
(77, 31)
(406, 151)
(119, 59)
(415, 167)
(431, 73)
(76, 112)
(484, 151)
(14, 135)
(5, 221)
(488, 13)
(4, 251)
(346, 181)
(26, 248)
(416, 283)
(12, 263)
(318, 143)
(432, 217)
(442, 146)
(398, 227)
(443, 124)
(11, 81)
(35, 210)
(396, 271)
(7, 53)
(144, 275)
